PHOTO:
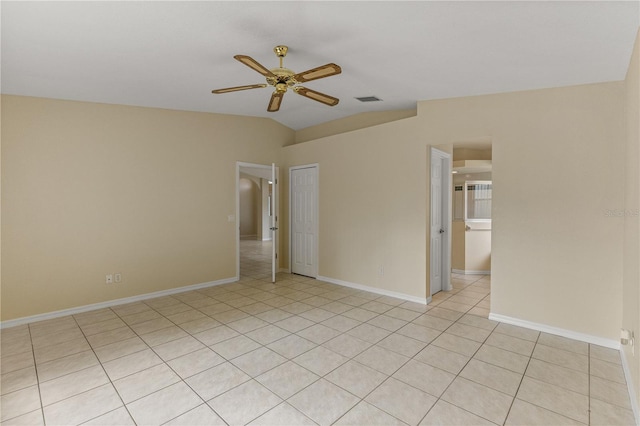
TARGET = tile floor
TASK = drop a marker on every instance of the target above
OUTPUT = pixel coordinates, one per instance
(303, 352)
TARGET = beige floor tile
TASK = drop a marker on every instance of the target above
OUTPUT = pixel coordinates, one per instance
(387, 323)
(163, 336)
(418, 332)
(216, 335)
(457, 344)
(195, 362)
(283, 415)
(268, 334)
(320, 360)
(502, 358)
(377, 307)
(368, 333)
(164, 405)
(235, 347)
(258, 361)
(367, 414)
(381, 359)
(141, 317)
(34, 418)
(291, 346)
(479, 322)
(323, 402)
(356, 378)
(611, 392)
(217, 380)
(359, 314)
(442, 358)
(524, 413)
(605, 354)
(341, 323)
(101, 327)
(153, 325)
(287, 379)
(469, 332)
(245, 403)
(478, 399)
(605, 414)
(556, 399)
(562, 358)
(489, 375)
(346, 345)
(607, 370)
(16, 361)
(446, 314)
(130, 308)
(519, 332)
(256, 308)
(112, 336)
(130, 364)
(177, 308)
(296, 308)
(337, 307)
(248, 324)
(145, 382)
(402, 344)
(15, 346)
(201, 415)
(49, 353)
(196, 326)
(18, 379)
(424, 377)
(403, 314)
(20, 402)
(92, 317)
(83, 407)
(445, 414)
(294, 323)
(455, 306)
(72, 384)
(317, 315)
(559, 376)
(434, 322)
(215, 309)
(401, 401)
(118, 349)
(563, 343)
(119, 416)
(510, 343)
(177, 348)
(318, 333)
(186, 316)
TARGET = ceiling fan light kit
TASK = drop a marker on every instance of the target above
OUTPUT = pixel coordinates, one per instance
(282, 79)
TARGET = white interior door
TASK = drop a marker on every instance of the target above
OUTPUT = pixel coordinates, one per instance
(304, 220)
(274, 222)
(440, 219)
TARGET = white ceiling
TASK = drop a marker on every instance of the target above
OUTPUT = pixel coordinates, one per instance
(172, 54)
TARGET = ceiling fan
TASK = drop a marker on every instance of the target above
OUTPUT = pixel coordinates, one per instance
(283, 78)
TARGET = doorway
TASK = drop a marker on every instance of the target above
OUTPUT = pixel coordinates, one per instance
(256, 227)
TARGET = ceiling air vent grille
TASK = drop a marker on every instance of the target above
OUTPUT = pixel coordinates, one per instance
(369, 99)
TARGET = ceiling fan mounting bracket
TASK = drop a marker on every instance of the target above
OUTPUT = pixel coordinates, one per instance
(281, 51)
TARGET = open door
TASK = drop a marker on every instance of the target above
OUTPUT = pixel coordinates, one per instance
(440, 220)
(274, 222)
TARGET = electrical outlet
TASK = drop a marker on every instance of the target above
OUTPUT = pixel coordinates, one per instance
(117, 277)
(109, 278)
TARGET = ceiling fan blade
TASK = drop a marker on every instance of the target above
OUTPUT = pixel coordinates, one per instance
(238, 88)
(316, 96)
(254, 65)
(275, 101)
(319, 72)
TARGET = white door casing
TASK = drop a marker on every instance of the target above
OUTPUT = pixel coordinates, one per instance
(304, 220)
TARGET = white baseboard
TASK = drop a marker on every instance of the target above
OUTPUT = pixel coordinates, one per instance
(376, 290)
(109, 303)
(630, 388)
(467, 272)
(601, 341)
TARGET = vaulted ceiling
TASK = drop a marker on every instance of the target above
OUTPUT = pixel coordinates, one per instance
(172, 54)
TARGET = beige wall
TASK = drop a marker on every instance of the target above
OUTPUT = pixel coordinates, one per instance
(90, 189)
(552, 243)
(631, 259)
(250, 199)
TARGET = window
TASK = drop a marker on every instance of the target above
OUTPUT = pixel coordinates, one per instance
(472, 201)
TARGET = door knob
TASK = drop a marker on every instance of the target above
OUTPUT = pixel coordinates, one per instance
(441, 231)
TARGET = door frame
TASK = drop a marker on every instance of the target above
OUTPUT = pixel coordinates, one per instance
(317, 212)
(239, 165)
(446, 201)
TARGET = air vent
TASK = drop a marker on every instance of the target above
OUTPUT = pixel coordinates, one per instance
(369, 99)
